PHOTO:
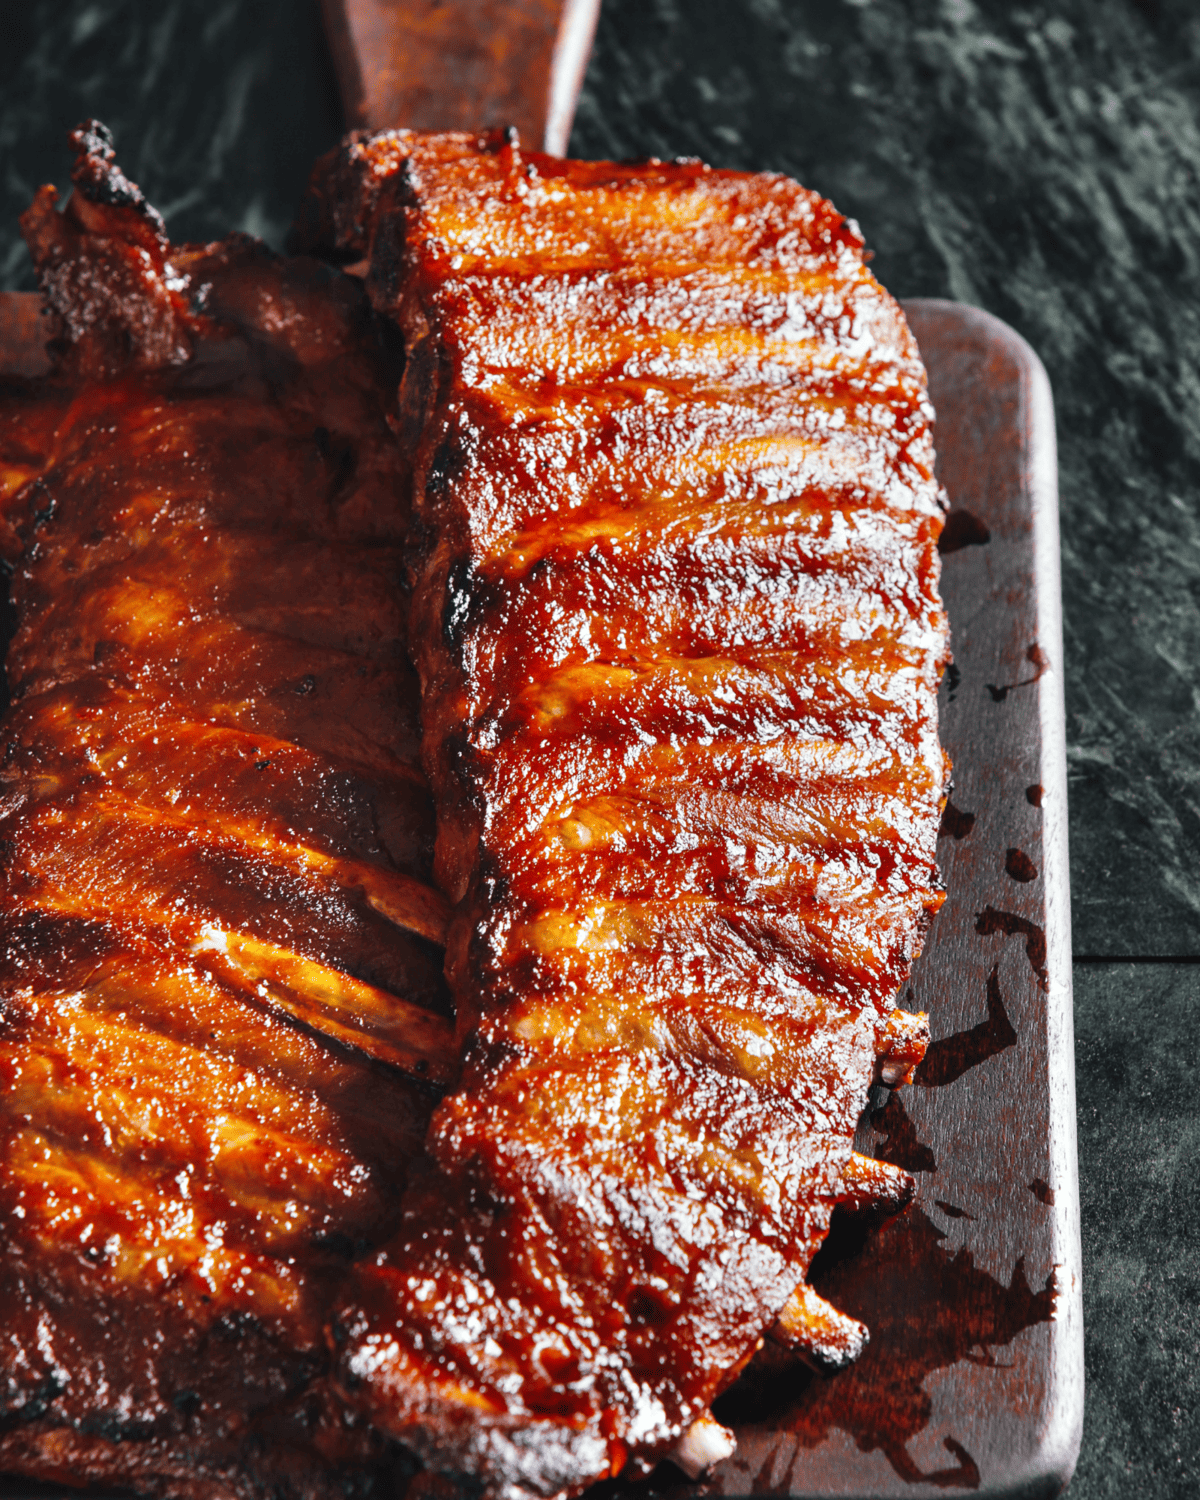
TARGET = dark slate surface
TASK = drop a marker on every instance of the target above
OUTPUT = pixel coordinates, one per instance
(1136, 1054)
(218, 107)
(1041, 160)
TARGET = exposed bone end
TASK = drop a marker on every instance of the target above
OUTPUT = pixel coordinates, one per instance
(704, 1444)
(868, 1183)
(821, 1335)
(902, 1045)
(333, 1004)
(407, 903)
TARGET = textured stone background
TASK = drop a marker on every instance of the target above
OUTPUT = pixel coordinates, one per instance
(218, 107)
(1041, 160)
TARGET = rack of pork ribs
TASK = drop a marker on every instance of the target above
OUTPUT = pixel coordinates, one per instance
(635, 461)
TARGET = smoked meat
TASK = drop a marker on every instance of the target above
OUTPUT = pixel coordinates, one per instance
(676, 619)
(220, 961)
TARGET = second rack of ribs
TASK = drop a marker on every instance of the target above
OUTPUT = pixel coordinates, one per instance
(218, 946)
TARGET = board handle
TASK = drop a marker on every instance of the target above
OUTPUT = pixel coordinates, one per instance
(463, 64)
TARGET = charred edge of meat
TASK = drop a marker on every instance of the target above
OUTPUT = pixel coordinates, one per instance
(113, 298)
(100, 180)
(337, 214)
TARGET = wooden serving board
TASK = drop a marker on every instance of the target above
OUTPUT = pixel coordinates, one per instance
(974, 1376)
(463, 64)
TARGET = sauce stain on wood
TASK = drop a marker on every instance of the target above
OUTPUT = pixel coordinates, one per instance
(1040, 661)
(962, 529)
(990, 921)
(901, 1145)
(928, 1307)
(1019, 866)
(952, 1056)
(955, 823)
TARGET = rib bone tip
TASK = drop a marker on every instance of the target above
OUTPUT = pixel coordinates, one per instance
(704, 1444)
(902, 1045)
(818, 1332)
(876, 1184)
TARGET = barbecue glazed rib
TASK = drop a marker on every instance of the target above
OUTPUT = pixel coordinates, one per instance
(679, 637)
(215, 842)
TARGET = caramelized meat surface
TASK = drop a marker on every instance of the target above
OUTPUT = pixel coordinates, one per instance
(676, 621)
(215, 846)
(678, 630)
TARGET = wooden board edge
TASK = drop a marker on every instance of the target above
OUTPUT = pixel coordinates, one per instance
(1061, 1435)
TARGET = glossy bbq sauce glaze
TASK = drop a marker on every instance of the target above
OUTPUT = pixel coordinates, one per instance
(676, 618)
(217, 939)
(672, 544)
